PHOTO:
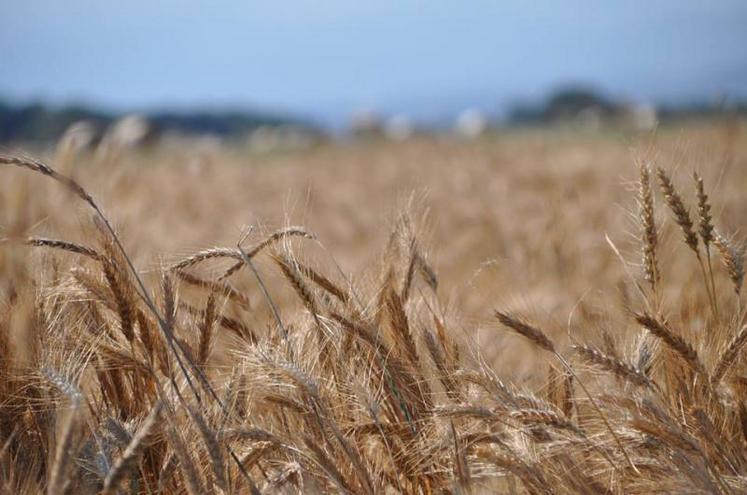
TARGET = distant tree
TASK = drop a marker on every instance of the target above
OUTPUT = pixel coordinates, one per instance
(569, 103)
(37, 122)
(523, 114)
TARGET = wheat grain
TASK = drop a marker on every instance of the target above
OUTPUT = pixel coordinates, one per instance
(133, 451)
(615, 366)
(675, 342)
(533, 334)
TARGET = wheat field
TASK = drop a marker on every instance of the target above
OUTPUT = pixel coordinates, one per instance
(529, 312)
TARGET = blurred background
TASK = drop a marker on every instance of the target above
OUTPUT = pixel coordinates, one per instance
(507, 131)
(301, 71)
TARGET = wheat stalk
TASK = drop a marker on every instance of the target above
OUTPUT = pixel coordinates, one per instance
(535, 335)
(680, 212)
(648, 228)
(733, 259)
(729, 355)
(673, 341)
(131, 454)
(615, 366)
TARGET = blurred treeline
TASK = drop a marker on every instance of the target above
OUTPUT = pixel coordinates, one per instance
(591, 109)
(40, 122)
(570, 103)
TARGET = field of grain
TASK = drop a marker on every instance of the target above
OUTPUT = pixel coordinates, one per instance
(529, 312)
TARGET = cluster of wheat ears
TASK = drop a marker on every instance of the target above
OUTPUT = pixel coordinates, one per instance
(116, 386)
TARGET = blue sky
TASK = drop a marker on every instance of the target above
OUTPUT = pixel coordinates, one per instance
(324, 59)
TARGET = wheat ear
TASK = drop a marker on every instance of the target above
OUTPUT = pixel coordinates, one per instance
(133, 451)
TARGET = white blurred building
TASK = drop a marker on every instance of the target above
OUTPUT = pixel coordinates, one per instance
(399, 128)
(471, 123)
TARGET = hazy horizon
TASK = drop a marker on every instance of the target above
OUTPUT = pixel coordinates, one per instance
(426, 60)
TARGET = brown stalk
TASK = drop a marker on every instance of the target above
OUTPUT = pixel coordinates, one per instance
(192, 479)
(59, 474)
(648, 228)
(132, 453)
(65, 246)
(684, 220)
(615, 366)
(401, 327)
(322, 281)
(538, 337)
(673, 341)
(729, 355)
(705, 228)
(680, 212)
(173, 343)
(214, 449)
(217, 287)
(733, 259)
(533, 334)
(206, 329)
